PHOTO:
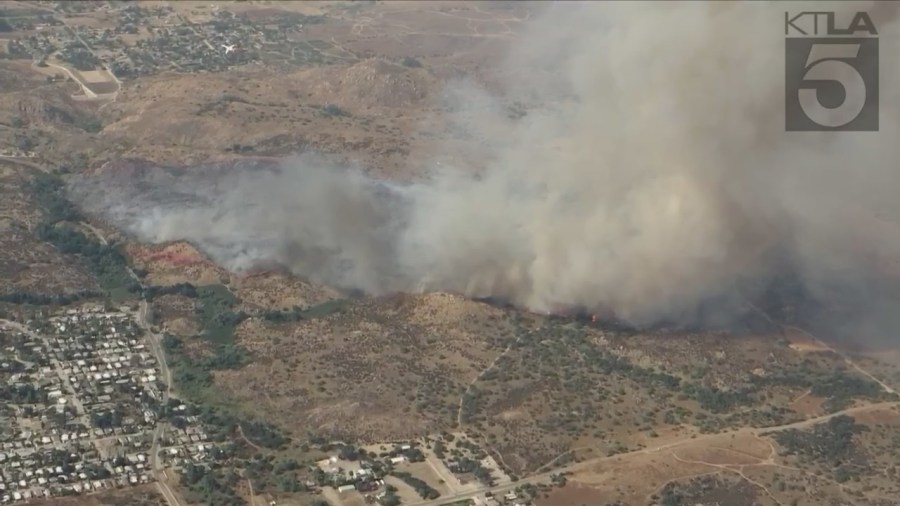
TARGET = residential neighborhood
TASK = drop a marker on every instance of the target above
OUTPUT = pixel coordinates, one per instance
(84, 400)
(416, 472)
(132, 40)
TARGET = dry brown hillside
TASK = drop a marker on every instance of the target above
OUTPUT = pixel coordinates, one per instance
(28, 264)
(353, 373)
(178, 119)
(362, 101)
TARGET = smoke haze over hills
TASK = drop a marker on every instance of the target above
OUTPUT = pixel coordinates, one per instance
(653, 176)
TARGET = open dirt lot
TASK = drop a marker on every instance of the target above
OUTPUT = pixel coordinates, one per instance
(426, 473)
(99, 81)
(145, 495)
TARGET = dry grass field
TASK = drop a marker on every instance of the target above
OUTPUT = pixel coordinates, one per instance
(747, 467)
(536, 393)
(562, 389)
(355, 372)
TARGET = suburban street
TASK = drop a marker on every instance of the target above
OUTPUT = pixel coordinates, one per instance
(155, 342)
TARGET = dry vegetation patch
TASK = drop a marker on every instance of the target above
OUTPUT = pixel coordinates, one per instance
(29, 264)
(859, 454)
(276, 290)
(357, 371)
(173, 263)
(630, 481)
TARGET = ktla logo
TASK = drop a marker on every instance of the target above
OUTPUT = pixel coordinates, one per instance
(831, 72)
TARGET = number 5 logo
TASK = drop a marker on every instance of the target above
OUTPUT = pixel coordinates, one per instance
(832, 84)
(825, 64)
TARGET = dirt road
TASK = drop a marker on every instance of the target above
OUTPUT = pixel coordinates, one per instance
(23, 161)
(544, 477)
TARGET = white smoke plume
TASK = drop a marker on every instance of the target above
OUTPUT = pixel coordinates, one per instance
(654, 175)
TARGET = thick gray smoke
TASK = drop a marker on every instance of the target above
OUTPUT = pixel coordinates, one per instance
(653, 175)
